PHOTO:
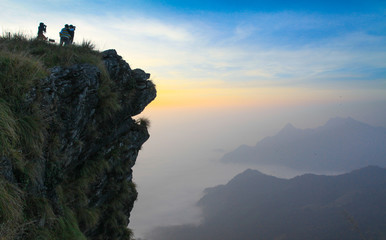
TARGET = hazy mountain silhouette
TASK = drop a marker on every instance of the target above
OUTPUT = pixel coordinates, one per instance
(342, 144)
(257, 206)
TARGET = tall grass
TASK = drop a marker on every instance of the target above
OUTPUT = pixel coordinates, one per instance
(50, 54)
(108, 99)
(8, 135)
(11, 210)
(19, 127)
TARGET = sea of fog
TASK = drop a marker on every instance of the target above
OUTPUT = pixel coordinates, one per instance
(181, 158)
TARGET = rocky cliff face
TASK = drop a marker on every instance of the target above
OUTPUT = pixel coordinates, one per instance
(78, 184)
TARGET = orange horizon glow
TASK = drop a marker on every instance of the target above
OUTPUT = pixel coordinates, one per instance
(263, 97)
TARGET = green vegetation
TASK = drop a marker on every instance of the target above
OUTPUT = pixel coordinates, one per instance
(25, 136)
(42, 55)
(145, 122)
(48, 54)
(18, 126)
(11, 211)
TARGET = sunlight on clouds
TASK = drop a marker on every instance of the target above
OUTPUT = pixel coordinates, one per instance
(245, 52)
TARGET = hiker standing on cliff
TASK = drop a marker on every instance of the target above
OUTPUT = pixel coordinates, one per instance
(65, 36)
(41, 30)
(71, 31)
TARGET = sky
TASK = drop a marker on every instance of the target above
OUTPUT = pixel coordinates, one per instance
(227, 73)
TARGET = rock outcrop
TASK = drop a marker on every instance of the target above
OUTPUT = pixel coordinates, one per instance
(81, 174)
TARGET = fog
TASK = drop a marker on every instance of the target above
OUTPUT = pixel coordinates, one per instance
(181, 158)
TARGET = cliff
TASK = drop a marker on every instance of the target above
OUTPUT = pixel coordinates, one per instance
(68, 141)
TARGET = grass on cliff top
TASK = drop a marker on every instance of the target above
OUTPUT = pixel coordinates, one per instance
(23, 61)
(50, 54)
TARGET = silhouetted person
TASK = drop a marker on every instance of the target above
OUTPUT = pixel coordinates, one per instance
(71, 31)
(65, 36)
(41, 30)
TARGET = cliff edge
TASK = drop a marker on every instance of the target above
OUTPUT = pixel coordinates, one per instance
(68, 141)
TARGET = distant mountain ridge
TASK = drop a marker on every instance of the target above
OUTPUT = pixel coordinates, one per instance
(342, 144)
(257, 206)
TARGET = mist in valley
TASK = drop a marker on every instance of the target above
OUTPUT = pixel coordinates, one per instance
(183, 156)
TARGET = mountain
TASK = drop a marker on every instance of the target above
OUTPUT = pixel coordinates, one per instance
(342, 144)
(68, 141)
(257, 206)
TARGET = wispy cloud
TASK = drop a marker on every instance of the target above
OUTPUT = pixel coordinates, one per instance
(151, 28)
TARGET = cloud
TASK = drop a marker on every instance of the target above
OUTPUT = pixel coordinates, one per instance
(152, 28)
(232, 50)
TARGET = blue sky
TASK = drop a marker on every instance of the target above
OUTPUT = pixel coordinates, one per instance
(235, 43)
(320, 6)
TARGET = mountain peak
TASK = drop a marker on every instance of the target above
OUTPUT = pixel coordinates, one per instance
(342, 144)
(289, 126)
(340, 121)
(288, 129)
